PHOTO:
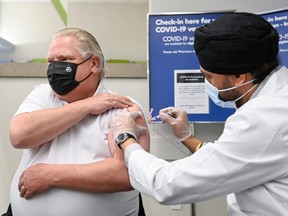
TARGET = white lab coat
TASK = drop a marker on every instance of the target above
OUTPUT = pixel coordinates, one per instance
(250, 160)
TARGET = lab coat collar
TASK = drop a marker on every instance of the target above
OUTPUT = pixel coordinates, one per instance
(276, 81)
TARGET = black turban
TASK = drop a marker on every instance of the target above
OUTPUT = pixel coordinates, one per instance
(236, 43)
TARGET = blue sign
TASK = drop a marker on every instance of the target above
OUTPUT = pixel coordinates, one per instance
(174, 76)
(279, 20)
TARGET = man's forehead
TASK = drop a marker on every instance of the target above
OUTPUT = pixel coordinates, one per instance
(63, 52)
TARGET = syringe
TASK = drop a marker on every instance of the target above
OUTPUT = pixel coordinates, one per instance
(158, 116)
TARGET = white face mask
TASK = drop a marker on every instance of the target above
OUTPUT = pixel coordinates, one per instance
(213, 93)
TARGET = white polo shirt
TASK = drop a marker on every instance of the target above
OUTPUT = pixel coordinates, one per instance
(83, 143)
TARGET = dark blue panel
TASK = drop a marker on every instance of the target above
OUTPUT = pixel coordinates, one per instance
(279, 20)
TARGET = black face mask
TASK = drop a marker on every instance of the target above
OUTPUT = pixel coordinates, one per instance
(61, 76)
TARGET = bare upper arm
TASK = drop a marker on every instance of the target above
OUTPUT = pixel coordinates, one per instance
(144, 139)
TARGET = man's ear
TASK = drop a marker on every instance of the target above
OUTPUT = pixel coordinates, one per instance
(96, 64)
(241, 78)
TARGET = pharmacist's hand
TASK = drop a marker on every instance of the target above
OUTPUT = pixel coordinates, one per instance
(178, 121)
(35, 179)
(125, 122)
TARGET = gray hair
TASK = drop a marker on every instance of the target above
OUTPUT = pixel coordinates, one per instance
(87, 45)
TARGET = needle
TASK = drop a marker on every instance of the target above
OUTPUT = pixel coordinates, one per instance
(158, 116)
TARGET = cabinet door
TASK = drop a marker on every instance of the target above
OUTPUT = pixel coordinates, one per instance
(152, 208)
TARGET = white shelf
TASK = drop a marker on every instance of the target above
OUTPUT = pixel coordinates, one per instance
(37, 69)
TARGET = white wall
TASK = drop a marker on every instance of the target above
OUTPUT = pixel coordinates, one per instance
(119, 28)
(29, 26)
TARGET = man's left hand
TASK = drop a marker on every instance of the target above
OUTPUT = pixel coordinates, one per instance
(33, 180)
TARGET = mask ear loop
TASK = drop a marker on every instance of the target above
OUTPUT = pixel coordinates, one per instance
(85, 78)
(234, 87)
(246, 93)
(84, 60)
(89, 74)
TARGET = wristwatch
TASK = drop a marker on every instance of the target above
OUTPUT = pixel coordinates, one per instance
(121, 138)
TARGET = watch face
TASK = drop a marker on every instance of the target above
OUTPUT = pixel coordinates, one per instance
(121, 138)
